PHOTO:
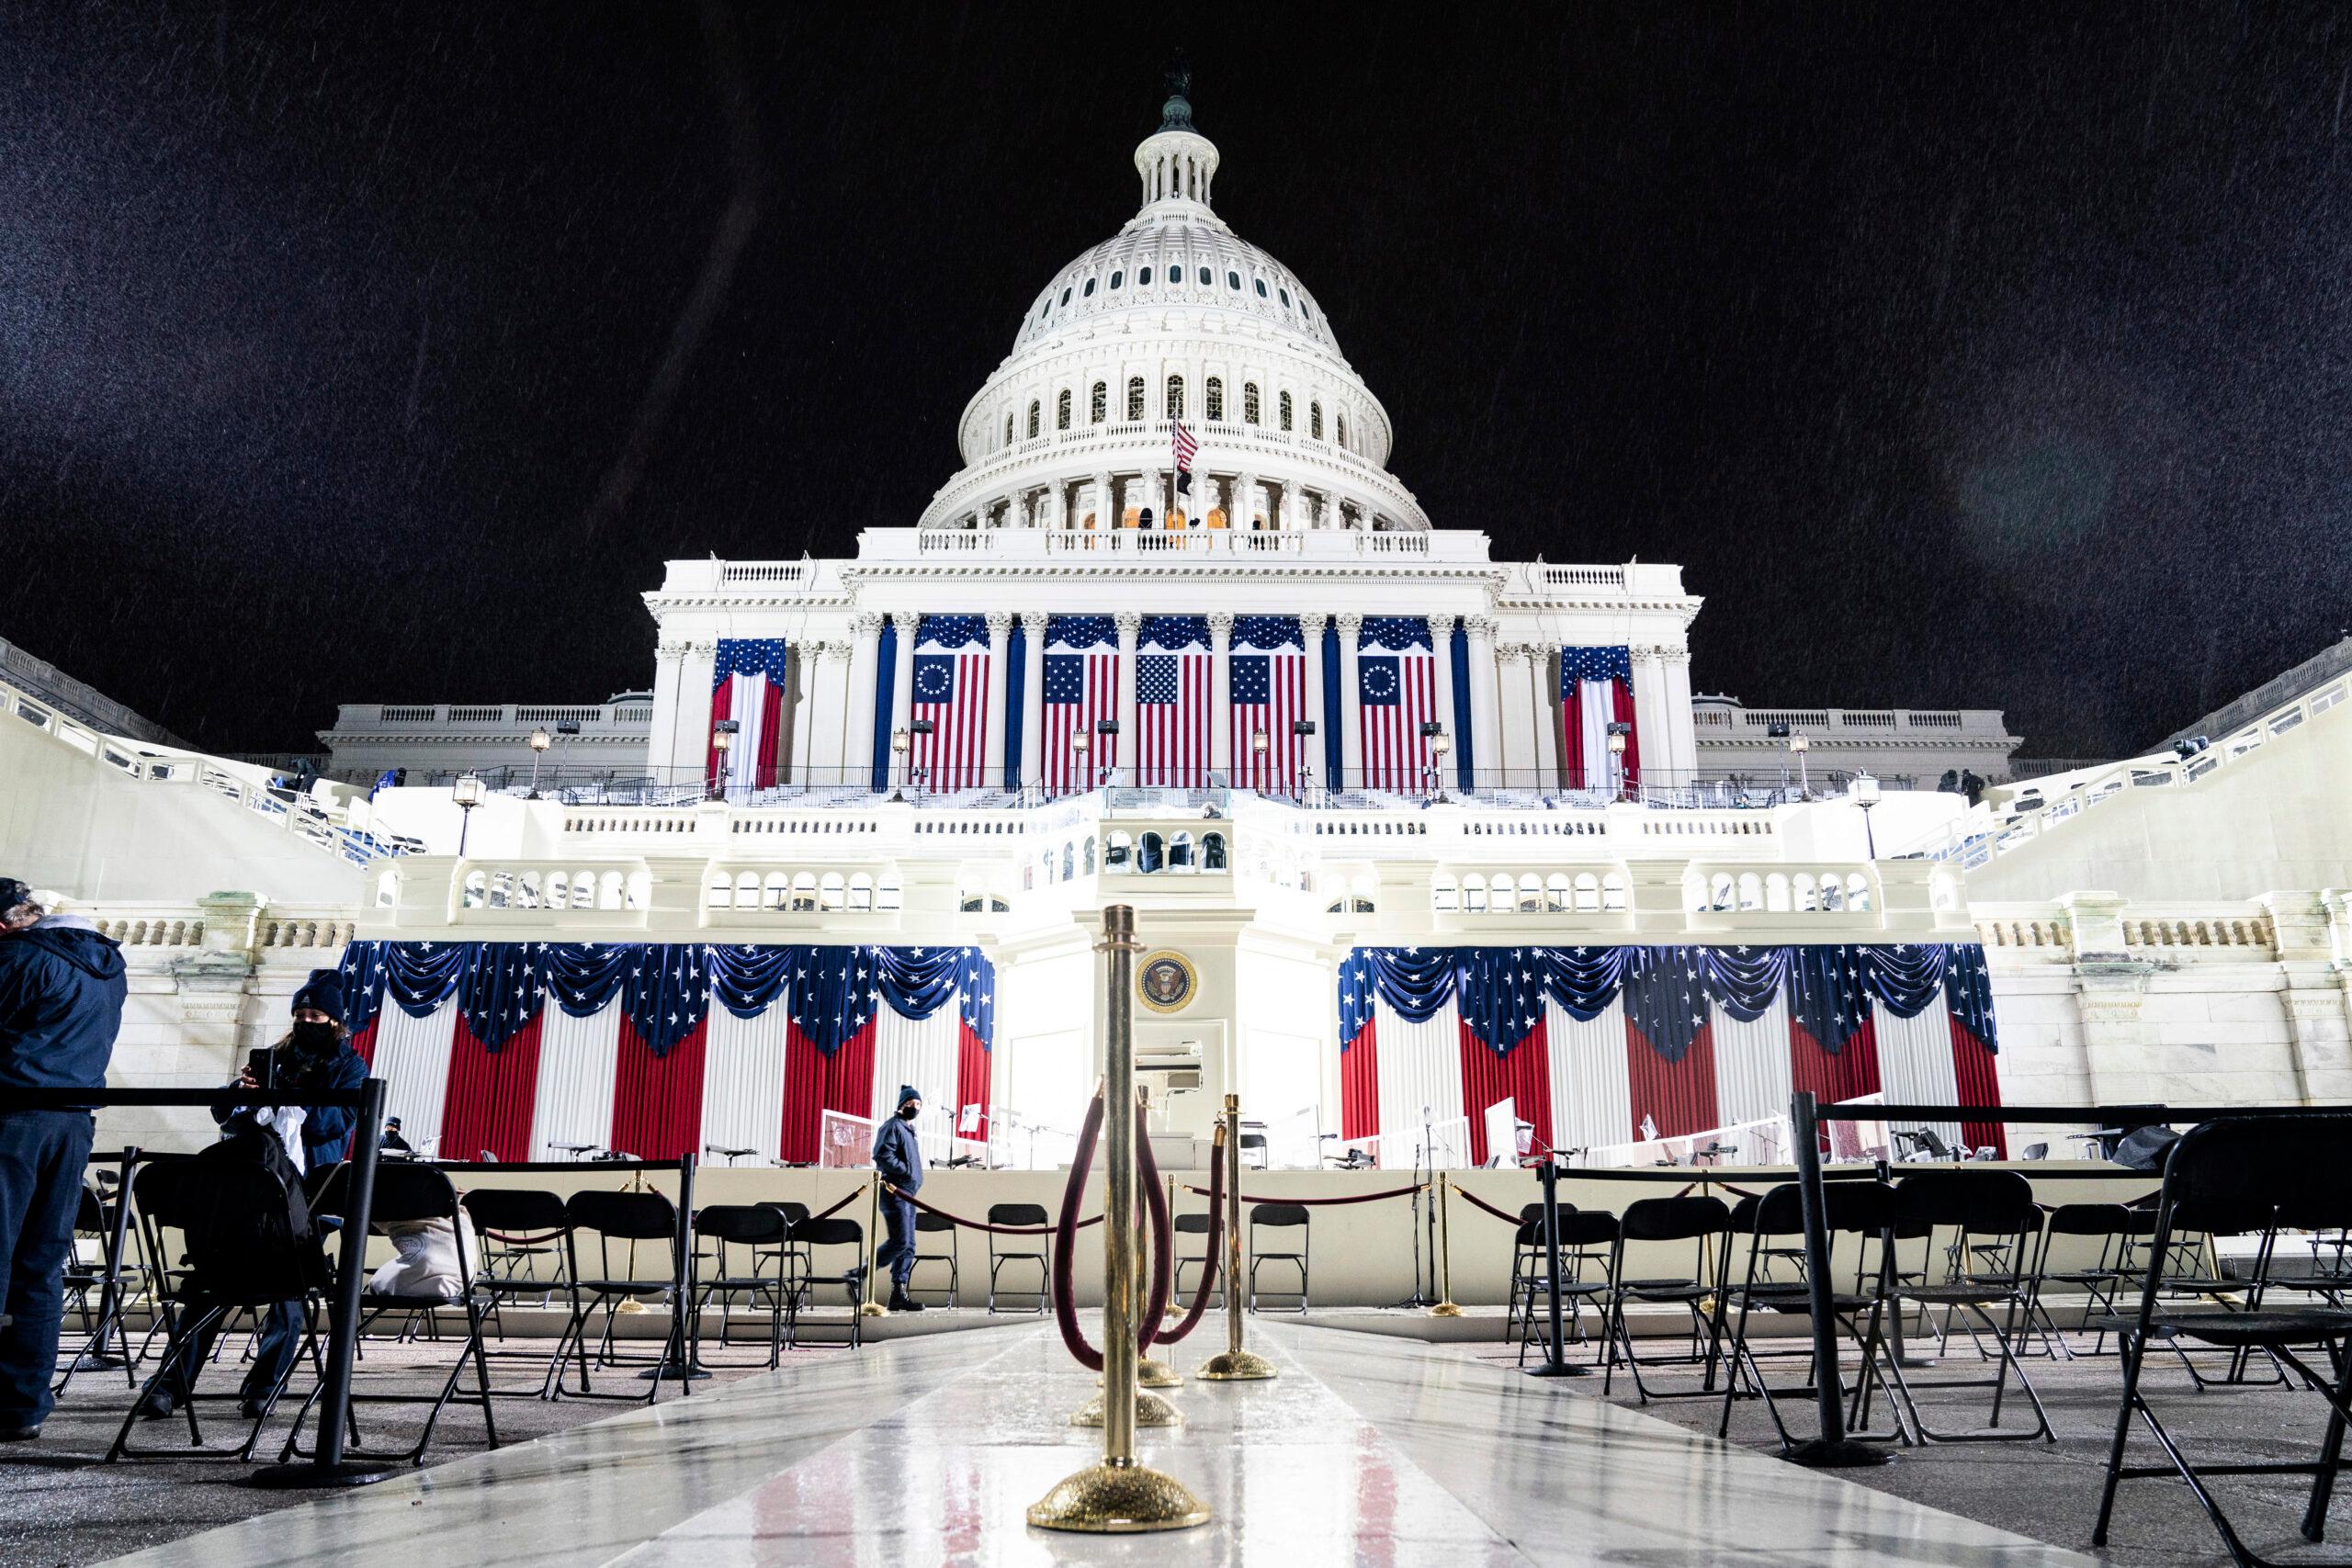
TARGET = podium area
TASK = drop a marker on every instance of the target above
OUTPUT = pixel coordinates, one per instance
(1366, 1449)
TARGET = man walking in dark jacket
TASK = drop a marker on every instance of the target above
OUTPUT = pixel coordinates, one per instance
(61, 990)
(898, 1161)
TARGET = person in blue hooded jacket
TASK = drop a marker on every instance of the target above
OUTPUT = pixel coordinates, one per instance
(897, 1160)
(62, 991)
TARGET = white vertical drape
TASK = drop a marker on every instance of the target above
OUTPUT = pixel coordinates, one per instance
(920, 1052)
(1421, 1077)
(1752, 1065)
(572, 1103)
(742, 1081)
(1914, 1064)
(1591, 1098)
(412, 1058)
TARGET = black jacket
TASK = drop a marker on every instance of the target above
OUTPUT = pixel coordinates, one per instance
(326, 1130)
(898, 1156)
(61, 990)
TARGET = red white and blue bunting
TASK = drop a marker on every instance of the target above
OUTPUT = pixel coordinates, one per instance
(1592, 1042)
(657, 1049)
(748, 681)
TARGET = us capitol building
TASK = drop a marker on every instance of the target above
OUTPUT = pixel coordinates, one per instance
(1422, 843)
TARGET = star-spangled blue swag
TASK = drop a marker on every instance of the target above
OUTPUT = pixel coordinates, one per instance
(668, 987)
(1500, 991)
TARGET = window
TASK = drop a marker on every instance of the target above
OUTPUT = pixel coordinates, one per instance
(1065, 296)
(1032, 418)
(1248, 402)
(1175, 409)
(1008, 430)
(1204, 277)
(1143, 277)
(1286, 294)
(1135, 397)
(1314, 421)
(1261, 289)
(1302, 310)
(1117, 279)
(1089, 290)
(1213, 852)
(1086, 858)
(1212, 400)
(1061, 411)
(1282, 404)
(1045, 305)
(1233, 281)
(1340, 421)
(1098, 406)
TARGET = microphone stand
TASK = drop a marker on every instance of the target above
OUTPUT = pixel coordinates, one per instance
(1556, 1363)
(1420, 1170)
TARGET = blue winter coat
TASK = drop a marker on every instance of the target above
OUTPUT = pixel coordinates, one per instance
(898, 1156)
(61, 990)
(325, 1129)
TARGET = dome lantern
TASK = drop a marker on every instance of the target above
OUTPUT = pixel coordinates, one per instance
(1176, 163)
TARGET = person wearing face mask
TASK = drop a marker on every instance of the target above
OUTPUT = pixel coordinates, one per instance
(897, 1160)
(315, 1054)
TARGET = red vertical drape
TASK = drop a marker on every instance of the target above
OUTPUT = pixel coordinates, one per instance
(488, 1104)
(1523, 1076)
(1851, 1072)
(722, 706)
(1979, 1084)
(657, 1100)
(1360, 1083)
(971, 1079)
(365, 1040)
(1620, 697)
(815, 1083)
(770, 732)
(1679, 1095)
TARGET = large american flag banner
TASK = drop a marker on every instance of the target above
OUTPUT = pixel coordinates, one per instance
(1269, 673)
(1081, 687)
(1396, 695)
(1172, 683)
(747, 684)
(952, 690)
(1596, 687)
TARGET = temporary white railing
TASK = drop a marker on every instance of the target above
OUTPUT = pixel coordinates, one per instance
(1766, 1141)
(845, 1141)
(1438, 1145)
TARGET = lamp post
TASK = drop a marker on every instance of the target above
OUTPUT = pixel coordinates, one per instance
(1104, 767)
(1617, 759)
(1866, 795)
(1259, 742)
(541, 741)
(467, 793)
(1081, 743)
(917, 773)
(901, 742)
(1800, 745)
(722, 741)
(1303, 730)
(1440, 744)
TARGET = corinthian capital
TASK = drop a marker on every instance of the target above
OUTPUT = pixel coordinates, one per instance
(1034, 621)
(865, 623)
(1221, 623)
(908, 622)
(1480, 626)
(1350, 622)
(1000, 625)
(1311, 623)
(1129, 623)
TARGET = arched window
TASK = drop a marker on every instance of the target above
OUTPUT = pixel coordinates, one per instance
(1248, 402)
(1175, 409)
(1088, 292)
(1204, 277)
(1286, 294)
(1261, 289)
(1179, 853)
(1212, 400)
(1116, 856)
(1314, 421)
(1098, 405)
(1339, 424)
(1069, 861)
(1233, 281)
(1135, 397)
(1144, 277)
(1151, 853)
(1065, 297)
(1008, 430)
(1086, 858)
(1282, 406)
(1061, 411)
(1213, 852)
(1117, 279)
(1032, 418)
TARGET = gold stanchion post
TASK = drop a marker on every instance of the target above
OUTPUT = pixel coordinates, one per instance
(1119, 1495)
(870, 1307)
(1233, 1364)
(1445, 1307)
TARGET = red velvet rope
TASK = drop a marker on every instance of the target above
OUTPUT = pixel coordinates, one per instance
(1312, 1203)
(837, 1208)
(1163, 1250)
(1216, 1253)
(1503, 1214)
(1066, 1237)
(975, 1224)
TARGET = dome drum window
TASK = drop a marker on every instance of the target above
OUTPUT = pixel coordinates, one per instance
(1089, 291)
(1065, 296)
(1143, 277)
(1098, 404)
(1286, 294)
(1248, 402)
(1213, 401)
(1135, 401)
(1205, 280)
(1339, 425)
(1032, 419)
(1117, 279)
(1233, 281)
(1283, 405)
(1314, 421)
(1175, 407)
(1261, 287)
(1061, 411)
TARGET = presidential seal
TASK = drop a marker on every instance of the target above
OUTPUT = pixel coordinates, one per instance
(1166, 981)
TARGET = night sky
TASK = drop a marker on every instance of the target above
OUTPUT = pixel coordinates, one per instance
(1962, 355)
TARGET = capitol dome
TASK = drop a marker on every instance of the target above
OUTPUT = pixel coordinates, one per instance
(1175, 318)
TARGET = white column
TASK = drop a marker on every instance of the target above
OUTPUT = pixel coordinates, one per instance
(1104, 517)
(1245, 501)
(1129, 623)
(1485, 742)
(801, 712)
(1518, 717)
(1310, 628)
(1350, 732)
(661, 740)
(1542, 677)
(857, 741)
(1061, 505)
(902, 678)
(1032, 695)
(1441, 644)
(992, 758)
(828, 741)
(692, 758)
(1675, 672)
(1221, 695)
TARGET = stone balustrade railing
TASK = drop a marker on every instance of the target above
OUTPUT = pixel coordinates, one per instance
(2099, 926)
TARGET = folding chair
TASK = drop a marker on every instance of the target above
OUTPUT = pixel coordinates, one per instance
(1587, 1235)
(2113, 1224)
(934, 1225)
(799, 1266)
(1705, 1223)
(2242, 1175)
(611, 1217)
(96, 1288)
(226, 1272)
(1196, 1224)
(1972, 1205)
(1863, 1210)
(758, 1231)
(814, 1233)
(1279, 1216)
(406, 1192)
(999, 1256)
(521, 1227)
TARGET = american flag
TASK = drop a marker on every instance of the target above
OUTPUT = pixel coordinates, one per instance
(1396, 692)
(1268, 693)
(1081, 687)
(747, 684)
(1182, 444)
(952, 690)
(1173, 680)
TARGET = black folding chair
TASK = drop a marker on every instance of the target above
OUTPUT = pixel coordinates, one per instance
(1974, 1206)
(630, 1218)
(1032, 1253)
(814, 1233)
(230, 1268)
(96, 1288)
(2240, 1176)
(1279, 1216)
(1196, 1224)
(2078, 1223)
(1588, 1236)
(934, 1225)
(755, 1233)
(522, 1227)
(1703, 1221)
(407, 1192)
(799, 1266)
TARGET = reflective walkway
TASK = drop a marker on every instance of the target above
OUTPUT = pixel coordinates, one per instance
(1367, 1449)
